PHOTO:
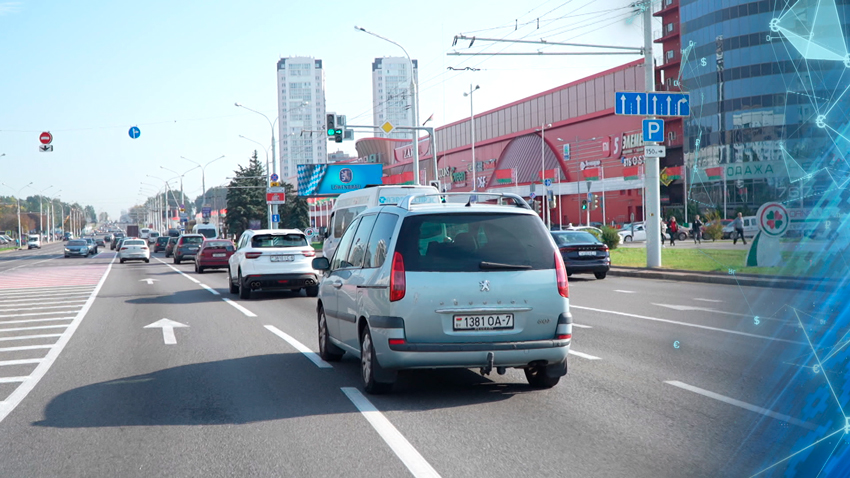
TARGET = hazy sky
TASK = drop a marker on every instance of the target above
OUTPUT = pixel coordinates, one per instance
(89, 70)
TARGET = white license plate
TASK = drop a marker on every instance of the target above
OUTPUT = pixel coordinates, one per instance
(219, 255)
(282, 258)
(483, 322)
(587, 253)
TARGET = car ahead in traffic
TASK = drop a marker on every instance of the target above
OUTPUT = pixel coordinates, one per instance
(134, 250)
(91, 243)
(100, 241)
(161, 242)
(114, 244)
(33, 241)
(583, 253)
(77, 247)
(213, 254)
(187, 247)
(152, 237)
(169, 246)
(447, 285)
(635, 233)
(272, 259)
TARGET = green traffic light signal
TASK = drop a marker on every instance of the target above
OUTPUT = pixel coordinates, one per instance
(584, 204)
(330, 131)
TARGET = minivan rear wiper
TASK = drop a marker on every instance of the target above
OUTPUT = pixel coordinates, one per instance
(497, 266)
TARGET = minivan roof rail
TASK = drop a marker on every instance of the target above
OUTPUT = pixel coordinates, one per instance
(472, 197)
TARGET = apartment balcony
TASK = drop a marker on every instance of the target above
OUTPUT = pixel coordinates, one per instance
(665, 6)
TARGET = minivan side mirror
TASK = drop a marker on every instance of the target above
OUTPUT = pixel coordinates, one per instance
(321, 264)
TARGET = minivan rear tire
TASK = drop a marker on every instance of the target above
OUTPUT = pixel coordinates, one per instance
(328, 351)
(369, 366)
(538, 378)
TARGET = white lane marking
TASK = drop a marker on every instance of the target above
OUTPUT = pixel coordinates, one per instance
(625, 291)
(18, 349)
(34, 320)
(408, 455)
(36, 300)
(30, 296)
(708, 300)
(19, 362)
(30, 314)
(167, 327)
(38, 327)
(4, 309)
(314, 357)
(59, 288)
(34, 263)
(213, 291)
(12, 379)
(584, 356)
(738, 403)
(687, 308)
(705, 327)
(239, 307)
(27, 337)
(16, 397)
(582, 326)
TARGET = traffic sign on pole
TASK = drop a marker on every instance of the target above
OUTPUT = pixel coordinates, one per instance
(651, 151)
(276, 196)
(134, 132)
(653, 131)
(45, 137)
(652, 104)
(275, 217)
(274, 177)
(547, 182)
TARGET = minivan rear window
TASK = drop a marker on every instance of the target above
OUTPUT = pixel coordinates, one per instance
(472, 242)
(278, 240)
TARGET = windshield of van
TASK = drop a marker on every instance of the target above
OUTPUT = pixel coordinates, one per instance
(209, 233)
(474, 242)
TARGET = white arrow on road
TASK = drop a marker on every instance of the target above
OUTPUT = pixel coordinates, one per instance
(149, 281)
(167, 327)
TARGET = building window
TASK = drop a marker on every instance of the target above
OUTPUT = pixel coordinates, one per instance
(669, 54)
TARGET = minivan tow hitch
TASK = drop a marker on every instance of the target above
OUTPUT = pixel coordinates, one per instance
(491, 357)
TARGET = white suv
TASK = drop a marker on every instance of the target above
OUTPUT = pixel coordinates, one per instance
(272, 259)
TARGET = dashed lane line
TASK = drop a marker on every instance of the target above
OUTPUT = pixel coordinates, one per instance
(583, 355)
(582, 326)
(238, 307)
(212, 291)
(314, 357)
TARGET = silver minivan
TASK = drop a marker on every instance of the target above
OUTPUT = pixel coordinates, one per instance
(461, 282)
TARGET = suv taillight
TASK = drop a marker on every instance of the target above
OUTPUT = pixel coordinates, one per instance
(397, 282)
(253, 255)
(309, 253)
(561, 275)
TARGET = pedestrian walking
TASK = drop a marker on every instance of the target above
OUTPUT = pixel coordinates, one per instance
(673, 230)
(696, 230)
(663, 231)
(738, 225)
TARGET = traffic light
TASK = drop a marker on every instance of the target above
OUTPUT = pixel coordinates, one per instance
(584, 204)
(338, 135)
(331, 124)
(538, 208)
(595, 202)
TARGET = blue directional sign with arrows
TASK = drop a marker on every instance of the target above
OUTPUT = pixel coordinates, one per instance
(134, 132)
(652, 104)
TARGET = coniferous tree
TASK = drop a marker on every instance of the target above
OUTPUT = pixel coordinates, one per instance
(246, 198)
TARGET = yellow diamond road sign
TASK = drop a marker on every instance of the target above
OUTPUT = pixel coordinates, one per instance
(387, 127)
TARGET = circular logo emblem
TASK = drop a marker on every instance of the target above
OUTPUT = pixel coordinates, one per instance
(773, 219)
(382, 199)
(346, 175)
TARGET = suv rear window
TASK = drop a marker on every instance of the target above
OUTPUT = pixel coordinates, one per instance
(278, 240)
(193, 240)
(473, 242)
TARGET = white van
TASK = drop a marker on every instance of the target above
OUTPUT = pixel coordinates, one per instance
(33, 241)
(144, 233)
(751, 228)
(210, 231)
(349, 205)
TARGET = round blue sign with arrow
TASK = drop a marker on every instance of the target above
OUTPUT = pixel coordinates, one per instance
(135, 132)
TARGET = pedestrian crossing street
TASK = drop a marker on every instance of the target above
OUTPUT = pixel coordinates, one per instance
(38, 307)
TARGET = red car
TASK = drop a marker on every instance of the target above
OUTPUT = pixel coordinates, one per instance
(213, 254)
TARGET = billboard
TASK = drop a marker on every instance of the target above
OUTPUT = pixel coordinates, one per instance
(335, 179)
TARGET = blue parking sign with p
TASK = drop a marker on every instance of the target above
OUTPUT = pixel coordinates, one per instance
(653, 131)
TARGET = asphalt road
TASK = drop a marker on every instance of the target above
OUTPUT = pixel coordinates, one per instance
(666, 379)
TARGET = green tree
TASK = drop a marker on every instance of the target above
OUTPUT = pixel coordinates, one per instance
(295, 214)
(246, 197)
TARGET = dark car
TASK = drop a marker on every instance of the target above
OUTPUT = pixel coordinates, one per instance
(107, 238)
(583, 253)
(169, 246)
(161, 242)
(173, 232)
(77, 247)
(92, 244)
(100, 241)
(118, 237)
(213, 254)
(187, 246)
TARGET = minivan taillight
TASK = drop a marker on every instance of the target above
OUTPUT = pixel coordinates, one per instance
(253, 255)
(397, 282)
(561, 275)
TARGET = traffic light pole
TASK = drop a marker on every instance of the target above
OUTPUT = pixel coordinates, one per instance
(427, 129)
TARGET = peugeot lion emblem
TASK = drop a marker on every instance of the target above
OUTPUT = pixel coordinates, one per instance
(485, 286)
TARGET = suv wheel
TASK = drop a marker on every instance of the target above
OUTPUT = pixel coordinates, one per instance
(244, 290)
(328, 351)
(369, 366)
(234, 289)
(627, 239)
(537, 378)
(312, 291)
(176, 260)
(600, 275)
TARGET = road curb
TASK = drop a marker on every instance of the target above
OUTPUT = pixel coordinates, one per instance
(749, 280)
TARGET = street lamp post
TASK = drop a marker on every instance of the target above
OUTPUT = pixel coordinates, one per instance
(265, 150)
(545, 197)
(413, 107)
(182, 196)
(203, 179)
(472, 132)
(41, 211)
(51, 220)
(18, 201)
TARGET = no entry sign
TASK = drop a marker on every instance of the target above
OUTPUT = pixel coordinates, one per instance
(45, 138)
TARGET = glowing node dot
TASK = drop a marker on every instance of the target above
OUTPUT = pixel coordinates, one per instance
(774, 25)
(820, 121)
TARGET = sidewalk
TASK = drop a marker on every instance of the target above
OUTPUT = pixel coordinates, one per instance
(750, 280)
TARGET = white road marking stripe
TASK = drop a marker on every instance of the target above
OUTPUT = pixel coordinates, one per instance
(30, 314)
(656, 319)
(34, 263)
(68, 288)
(314, 357)
(584, 356)
(18, 349)
(625, 291)
(26, 337)
(213, 291)
(15, 398)
(29, 296)
(19, 362)
(38, 300)
(738, 403)
(408, 455)
(12, 379)
(582, 326)
(239, 307)
(38, 327)
(707, 300)
(26, 321)
(3, 309)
